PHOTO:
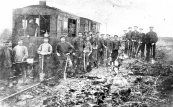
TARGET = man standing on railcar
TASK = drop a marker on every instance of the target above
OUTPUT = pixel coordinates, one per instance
(64, 51)
(141, 43)
(32, 28)
(79, 47)
(45, 51)
(129, 41)
(20, 53)
(151, 40)
(135, 40)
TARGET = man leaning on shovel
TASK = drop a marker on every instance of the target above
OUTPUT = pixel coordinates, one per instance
(44, 52)
(151, 39)
(64, 50)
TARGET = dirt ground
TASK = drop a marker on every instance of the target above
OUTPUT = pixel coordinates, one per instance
(136, 84)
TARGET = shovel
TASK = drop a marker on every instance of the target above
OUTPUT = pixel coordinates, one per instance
(138, 49)
(65, 75)
(84, 62)
(152, 59)
(42, 65)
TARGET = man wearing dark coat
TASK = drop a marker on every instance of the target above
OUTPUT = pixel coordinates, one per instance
(151, 40)
(129, 41)
(135, 40)
(64, 49)
(125, 41)
(108, 47)
(32, 28)
(79, 47)
(141, 42)
(100, 49)
(6, 62)
(115, 47)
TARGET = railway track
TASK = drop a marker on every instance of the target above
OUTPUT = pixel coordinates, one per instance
(21, 91)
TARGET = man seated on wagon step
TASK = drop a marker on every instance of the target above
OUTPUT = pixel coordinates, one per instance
(20, 55)
(44, 50)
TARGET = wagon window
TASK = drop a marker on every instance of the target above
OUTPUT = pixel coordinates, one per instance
(65, 27)
(31, 25)
(94, 28)
(20, 25)
(72, 27)
(59, 25)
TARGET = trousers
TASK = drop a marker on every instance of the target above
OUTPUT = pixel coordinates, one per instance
(151, 50)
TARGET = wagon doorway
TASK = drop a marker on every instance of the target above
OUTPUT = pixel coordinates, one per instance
(44, 24)
(72, 27)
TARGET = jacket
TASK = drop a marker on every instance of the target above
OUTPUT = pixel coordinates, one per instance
(135, 35)
(142, 37)
(151, 37)
(115, 45)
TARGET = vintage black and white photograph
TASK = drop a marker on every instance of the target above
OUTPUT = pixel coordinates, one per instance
(86, 53)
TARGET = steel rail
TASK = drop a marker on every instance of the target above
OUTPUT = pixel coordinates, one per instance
(25, 89)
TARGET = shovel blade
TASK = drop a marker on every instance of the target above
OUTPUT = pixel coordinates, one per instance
(42, 75)
(152, 61)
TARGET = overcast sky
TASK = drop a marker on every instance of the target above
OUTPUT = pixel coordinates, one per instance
(118, 14)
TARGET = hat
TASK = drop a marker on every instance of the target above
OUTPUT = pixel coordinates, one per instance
(140, 29)
(151, 27)
(6, 41)
(116, 35)
(85, 32)
(62, 36)
(130, 28)
(136, 26)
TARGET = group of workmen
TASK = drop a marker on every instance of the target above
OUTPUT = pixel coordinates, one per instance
(85, 52)
(136, 42)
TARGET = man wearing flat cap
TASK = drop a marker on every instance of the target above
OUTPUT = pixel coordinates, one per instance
(141, 42)
(151, 40)
(135, 40)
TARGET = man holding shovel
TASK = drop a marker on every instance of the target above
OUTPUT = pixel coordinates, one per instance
(135, 40)
(141, 46)
(64, 50)
(44, 52)
(87, 54)
(129, 41)
(151, 40)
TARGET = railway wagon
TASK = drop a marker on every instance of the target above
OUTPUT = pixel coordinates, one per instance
(48, 20)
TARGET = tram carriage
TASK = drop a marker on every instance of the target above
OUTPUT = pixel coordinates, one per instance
(50, 20)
